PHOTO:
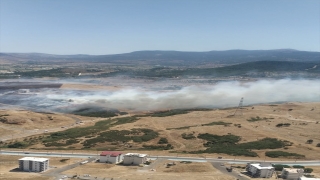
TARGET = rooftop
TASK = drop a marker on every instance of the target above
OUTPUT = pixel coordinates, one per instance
(262, 166)
(111, 153)
(34, 159)
(136, 154)
(293, 170)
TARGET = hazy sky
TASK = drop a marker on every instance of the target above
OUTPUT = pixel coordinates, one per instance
(119, 26)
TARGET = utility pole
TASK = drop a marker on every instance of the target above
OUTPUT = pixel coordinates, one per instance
(239, 108)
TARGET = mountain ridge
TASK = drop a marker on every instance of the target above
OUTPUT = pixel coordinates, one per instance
(158, 57)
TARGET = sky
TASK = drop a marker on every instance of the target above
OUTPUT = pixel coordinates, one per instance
(119, 26)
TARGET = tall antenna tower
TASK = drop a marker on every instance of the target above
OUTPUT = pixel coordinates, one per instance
(239, 108)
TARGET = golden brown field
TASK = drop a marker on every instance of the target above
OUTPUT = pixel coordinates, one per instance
(304, 126)
(303, 117)
(197, 171)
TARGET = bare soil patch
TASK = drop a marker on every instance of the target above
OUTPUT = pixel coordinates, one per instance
(119, 172)
(90, 87)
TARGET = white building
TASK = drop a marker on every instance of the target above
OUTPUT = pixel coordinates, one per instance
(134, 158)
(32, 164)
(260, 170)
(291, 173)
(305, 178)
(111, 157)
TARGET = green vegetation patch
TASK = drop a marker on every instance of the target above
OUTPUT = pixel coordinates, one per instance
(169, 113)
(275, 154)
(279, 167)
(172, 112)
(70, 136)
(253, 119)
(179, 128)
(216, 123)
(163, 141)
(100, 113)
(208, 124)
(158, 147)
(283, 125)
(18, 145)
(265, 143)
(228, 144)
(216, 139)
(136, 135)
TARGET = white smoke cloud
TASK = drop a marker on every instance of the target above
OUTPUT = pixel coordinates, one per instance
(225, 94)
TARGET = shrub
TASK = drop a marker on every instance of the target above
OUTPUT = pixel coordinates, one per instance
(215, 139)
(64, 160)
(216, 123)
(169, 113)
(298, 166)
(18, 145)
(93, 113)
(308, 170)
(275, 154)
(283, 124)
(265, 143)
(159, 147)
(163, 141)
(279, 167)
(310, 141)
(187, 136)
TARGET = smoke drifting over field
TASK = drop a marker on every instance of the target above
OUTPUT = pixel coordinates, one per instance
(225, 94)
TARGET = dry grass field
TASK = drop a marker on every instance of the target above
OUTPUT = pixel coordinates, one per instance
(303, 117)
(193, 171)
(17, 124)
(8, 165)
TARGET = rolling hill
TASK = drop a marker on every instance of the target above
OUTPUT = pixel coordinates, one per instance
(166, 58)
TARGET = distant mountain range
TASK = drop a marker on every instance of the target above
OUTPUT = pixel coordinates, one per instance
(174, 57)
(249, 69)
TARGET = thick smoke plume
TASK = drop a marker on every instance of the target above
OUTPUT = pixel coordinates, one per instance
(225, 94)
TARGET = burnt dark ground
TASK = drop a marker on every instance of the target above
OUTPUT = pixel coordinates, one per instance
(27, 85)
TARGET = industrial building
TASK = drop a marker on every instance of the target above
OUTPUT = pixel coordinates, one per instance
(113, 157)
(134, 159)
(292, 173)
(32, 164)
(260, 170)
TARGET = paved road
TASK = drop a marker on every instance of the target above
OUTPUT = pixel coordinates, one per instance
(223, 169)
(172, 158)
(57, 172)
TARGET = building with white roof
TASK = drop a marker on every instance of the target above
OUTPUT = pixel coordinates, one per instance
(260, 170)
(291, 173)
(32, 164)
(134, 159)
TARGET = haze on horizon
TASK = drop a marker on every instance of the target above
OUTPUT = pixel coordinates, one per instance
(113, 27)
